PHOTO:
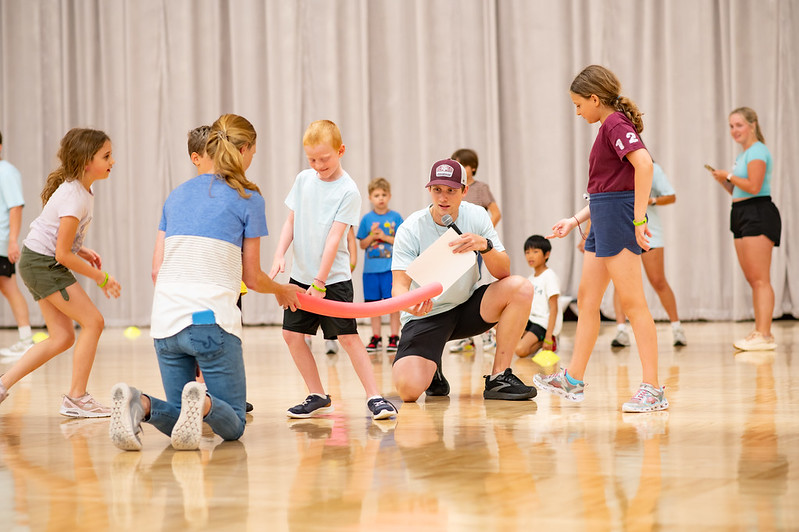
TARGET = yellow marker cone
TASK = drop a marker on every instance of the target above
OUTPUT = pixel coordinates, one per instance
(546, 358)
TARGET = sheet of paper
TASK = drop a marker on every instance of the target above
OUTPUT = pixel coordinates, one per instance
(439, 264)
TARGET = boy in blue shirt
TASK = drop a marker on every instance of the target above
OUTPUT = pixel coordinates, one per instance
(376, 234)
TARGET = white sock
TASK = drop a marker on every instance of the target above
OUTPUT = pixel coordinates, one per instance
(675, 324)
(323, 396)
(25, 332)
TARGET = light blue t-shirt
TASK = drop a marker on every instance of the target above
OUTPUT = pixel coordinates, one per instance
(205, 222)
(757, 151)
(419, 231)
(10, 196)
(377, 257)
(316, 205)
(660, 187)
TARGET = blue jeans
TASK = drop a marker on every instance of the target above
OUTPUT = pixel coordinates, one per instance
(218, 353)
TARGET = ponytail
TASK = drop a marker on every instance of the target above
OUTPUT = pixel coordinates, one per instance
(601, 82)
(229, 134)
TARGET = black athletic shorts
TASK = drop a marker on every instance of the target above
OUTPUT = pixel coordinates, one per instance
(305, 322)
(425, 337)
(755, 217)
(7, 269)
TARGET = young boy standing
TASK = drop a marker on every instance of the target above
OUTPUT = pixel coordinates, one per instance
(544, 312)
(324, 202)
(11, 203)
(376, 234)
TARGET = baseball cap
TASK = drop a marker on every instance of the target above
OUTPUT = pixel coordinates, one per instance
(447, 172)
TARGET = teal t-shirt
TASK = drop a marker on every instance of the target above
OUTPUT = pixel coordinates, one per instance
(10, 196)
(756, 151)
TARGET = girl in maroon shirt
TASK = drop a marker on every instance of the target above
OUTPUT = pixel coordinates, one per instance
(619, 183)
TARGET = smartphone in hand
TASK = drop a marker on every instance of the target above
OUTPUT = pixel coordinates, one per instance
(710, 168)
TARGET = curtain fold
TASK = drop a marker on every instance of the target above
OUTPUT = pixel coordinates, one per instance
(408, 83)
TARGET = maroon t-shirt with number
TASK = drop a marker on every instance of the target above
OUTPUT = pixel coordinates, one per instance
(608, 168)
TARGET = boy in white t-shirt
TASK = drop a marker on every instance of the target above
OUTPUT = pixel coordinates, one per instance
(539, 332)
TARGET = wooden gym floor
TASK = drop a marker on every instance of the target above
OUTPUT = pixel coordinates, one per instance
(725, 456)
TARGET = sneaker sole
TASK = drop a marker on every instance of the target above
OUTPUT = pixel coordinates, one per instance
(505, 396)
(575, 398)
(188, 430)
(78, 414)
(385, 414)
(120, 430)
(614, 343)
(758, 347)
(641, 410)
(317, 412)
(391, 349)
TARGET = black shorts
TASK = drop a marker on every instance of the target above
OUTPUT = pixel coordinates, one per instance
(538, 331)
(755, 217)
(304, 322)
(7, 269)
(426, 337)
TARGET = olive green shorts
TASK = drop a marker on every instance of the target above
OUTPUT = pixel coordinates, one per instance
(43, 275)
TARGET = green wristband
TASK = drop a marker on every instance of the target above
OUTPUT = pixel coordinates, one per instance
(105, 281)
(638, 223)
(313, 285)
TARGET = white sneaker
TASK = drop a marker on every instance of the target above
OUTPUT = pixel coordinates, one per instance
(18, 349)
(331, 347)
(126, 417)
(188, 430)
(679, 336)
(85, 406)
(622, 339)
(462, 346)
(756, 341)
(489, 340)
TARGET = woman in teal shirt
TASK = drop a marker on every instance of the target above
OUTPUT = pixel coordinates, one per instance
(754, 221)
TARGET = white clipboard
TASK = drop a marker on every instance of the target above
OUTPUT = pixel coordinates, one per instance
(438, 263)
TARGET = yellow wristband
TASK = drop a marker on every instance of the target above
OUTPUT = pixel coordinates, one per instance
(641, 222)
(313, 285)
(105, 281)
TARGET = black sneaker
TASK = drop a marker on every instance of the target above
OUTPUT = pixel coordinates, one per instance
(312, 406)
(375, 344)
(509, 387)
(248, 407)
(380, 408)
(393, 342)
(439, 386)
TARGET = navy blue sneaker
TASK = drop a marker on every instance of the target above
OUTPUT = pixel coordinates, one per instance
(312, 406)
(509, 387)
(380, 408)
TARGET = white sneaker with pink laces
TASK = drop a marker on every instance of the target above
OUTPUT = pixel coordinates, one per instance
(756, 341)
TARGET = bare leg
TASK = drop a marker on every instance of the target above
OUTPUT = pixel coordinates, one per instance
(656, 273)
(507, 302)
(593, 283)
(625, 270)
(754, 255)
(376, 325)
(10, 289)
(412, 375)
(528, 345)
(394, 321)
(360, 362)
(621, 319)
(304, 360)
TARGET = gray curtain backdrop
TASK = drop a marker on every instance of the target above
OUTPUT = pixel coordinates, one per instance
(408, 82)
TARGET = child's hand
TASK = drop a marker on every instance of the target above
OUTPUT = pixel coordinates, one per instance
(286, 296)
(563, 228)
(378, 234)
(278, 266)
(642, 233)
(112, 288)
(375, 227)
(313, 292)
(91, 256)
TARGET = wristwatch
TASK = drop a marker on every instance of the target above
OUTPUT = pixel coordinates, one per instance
(489, 246)
(729, 178)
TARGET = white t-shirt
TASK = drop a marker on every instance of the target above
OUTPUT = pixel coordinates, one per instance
(419, 231)
(69, 199)
(545, 286)
(316, 205)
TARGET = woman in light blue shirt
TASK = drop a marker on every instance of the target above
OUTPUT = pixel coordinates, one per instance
(754, 221)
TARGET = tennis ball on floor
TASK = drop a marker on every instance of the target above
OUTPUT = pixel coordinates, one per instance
(39, 337)
(131, 333)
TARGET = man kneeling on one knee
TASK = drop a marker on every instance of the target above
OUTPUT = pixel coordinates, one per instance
(463, 310)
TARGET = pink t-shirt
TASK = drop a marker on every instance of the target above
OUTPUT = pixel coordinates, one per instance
(608, 168)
